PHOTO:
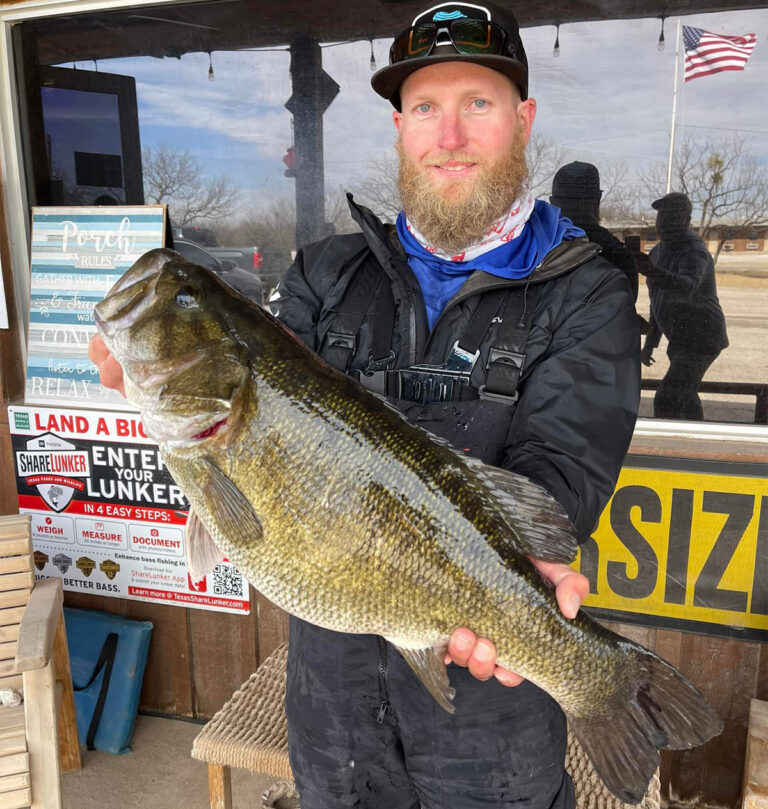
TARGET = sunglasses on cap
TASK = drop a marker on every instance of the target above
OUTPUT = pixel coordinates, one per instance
(469, 36)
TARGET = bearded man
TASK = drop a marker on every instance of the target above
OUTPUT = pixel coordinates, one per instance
(487, 318)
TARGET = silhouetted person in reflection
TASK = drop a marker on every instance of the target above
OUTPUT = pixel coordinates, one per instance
(680, 275)
(576, 191)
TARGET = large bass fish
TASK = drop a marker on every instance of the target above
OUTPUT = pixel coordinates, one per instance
(344, 514)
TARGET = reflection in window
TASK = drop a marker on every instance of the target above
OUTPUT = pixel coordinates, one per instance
(217, 143)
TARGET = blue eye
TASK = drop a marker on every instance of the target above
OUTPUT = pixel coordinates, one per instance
(479, 103)
(186, 298)
(424, 107)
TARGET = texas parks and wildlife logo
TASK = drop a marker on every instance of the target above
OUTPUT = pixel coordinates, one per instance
(54, 467)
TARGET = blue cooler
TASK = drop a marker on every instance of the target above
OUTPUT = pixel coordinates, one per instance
(107, 655)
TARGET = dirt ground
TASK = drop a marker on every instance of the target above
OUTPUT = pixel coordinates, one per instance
(742, 285)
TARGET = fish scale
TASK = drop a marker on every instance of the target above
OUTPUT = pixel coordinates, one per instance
(344, 514)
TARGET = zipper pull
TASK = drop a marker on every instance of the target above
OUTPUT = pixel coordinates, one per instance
(382, 712)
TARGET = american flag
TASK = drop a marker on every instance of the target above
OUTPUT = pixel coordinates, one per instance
(707, 53)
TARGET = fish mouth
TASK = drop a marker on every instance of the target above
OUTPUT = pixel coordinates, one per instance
(180, 431)
(209, 432)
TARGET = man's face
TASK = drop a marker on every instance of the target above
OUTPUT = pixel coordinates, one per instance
(672, 222)
(462, 136)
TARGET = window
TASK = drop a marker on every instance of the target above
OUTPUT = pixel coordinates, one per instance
(251, 126)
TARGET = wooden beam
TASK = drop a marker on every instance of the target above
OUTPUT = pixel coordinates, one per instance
(14, 564)
(70, 756)
(18, 762)
(15, 526)
(18, 799)
(12, 615)
(38, 626)
(220, 786)
(40, 711)
(14, 598)
(17, 581)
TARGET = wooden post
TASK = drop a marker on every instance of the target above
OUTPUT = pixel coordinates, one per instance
(220, 786)
(40, 712)
(70, 758)
(755, 792)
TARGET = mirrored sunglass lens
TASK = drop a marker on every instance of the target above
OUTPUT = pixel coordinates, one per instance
(413, 43)
(476, 36)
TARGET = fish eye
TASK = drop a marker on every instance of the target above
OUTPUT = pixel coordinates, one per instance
(186, 298)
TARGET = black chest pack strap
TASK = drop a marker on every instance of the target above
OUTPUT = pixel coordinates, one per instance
(506, 357)
(512, 310)
(367, 285)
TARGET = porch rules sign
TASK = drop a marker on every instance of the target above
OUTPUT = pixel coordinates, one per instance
(78, 253)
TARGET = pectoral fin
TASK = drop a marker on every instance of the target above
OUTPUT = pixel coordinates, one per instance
(233, 514)
(429, 666)
(226, 510)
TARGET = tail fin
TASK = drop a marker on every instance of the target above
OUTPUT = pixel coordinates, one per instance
(659, 709)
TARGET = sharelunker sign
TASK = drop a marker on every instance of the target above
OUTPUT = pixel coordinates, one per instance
(683, 545)
(107, 517)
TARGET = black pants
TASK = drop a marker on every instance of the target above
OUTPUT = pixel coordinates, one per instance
(678, 394)
(504, 747)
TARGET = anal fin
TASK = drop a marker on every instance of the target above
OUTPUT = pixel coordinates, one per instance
(202, 552)
(429, 666)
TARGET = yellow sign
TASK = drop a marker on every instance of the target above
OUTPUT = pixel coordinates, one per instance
(683, 549)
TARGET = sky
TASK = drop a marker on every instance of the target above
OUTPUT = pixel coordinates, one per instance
(607, 97)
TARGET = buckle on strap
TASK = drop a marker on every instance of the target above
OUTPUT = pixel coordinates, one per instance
(500, 398)
(504, 369)
(381, 364)
(375, 381)
(425, 387)
(506, 358)
(337, 339)
(458, 360)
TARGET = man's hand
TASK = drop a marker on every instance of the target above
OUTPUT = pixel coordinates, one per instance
(110, 370)
(646, 355)
(479, 654)
(645, 266)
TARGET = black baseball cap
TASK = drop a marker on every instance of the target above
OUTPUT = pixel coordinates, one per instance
(449, 32)
(575, 181)
(674, 201)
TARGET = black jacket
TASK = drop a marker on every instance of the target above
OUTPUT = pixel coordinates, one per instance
(580, 384)
(684, 302)
(614, 250)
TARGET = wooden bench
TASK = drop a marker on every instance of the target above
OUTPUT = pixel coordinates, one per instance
(38, 739)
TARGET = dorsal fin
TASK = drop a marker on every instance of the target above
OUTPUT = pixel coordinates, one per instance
(537, 520)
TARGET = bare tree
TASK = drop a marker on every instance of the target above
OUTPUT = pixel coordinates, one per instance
(337, 213)
(174, 176)
(620, 202)
(727, 186)
(378, 191)
(271, 228)
(544, 158)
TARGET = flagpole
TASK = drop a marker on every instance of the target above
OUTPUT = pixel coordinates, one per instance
(674, 109)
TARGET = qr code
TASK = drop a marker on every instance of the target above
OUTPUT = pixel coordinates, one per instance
(227, 580)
